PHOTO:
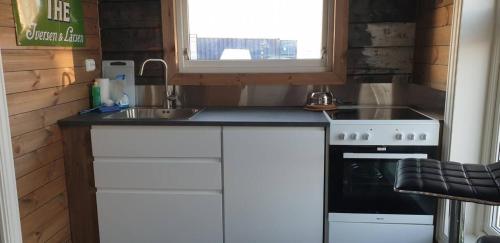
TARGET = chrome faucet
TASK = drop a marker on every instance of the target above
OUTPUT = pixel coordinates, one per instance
(170, 100)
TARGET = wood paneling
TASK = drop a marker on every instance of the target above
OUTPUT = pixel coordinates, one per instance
(433, 55)
(38, 158)
(40, 177)
(63, 236)
(132, 30)
(27, 60)
(44, 84)
(34, 140)
(38, 99)
(130, 14)
(434, 76)
(37, 119)
(132, 40)
(382, 34)
(34, 200)
(45, 222)
(371, 11)
(434, 22)
(6, 18)
(434, 36)
(23, 81)
(394, 60)
(381, 40)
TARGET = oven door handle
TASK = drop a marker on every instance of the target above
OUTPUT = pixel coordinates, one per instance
(383, 156)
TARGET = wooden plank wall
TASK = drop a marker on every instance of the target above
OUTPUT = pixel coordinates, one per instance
(434, 19)
(132, 30)
(381, 37)
(381, 40)
(44, 84)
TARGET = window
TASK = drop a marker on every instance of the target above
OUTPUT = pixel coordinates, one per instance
(496, 220)
(253, 36)
(492, 214)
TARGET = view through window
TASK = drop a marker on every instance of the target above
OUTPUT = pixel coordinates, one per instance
(497, 220)
(255, 30)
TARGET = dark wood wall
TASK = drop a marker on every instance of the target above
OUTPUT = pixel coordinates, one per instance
(132, 30)
(434, 22)
(381, 37)
(381, 40)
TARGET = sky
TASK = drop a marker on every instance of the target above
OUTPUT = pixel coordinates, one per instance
(284, 19)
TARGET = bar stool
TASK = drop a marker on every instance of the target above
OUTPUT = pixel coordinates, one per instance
(454, 181)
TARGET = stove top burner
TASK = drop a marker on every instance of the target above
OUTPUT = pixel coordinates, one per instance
(377, 114)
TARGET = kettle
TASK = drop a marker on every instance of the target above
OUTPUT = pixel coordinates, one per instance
(320, 99)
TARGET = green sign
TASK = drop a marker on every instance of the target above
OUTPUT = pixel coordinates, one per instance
(49, 23)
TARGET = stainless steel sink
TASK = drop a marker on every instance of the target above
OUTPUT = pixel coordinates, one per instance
(154, 113)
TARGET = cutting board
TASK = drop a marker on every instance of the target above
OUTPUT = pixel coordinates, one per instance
(113, 68)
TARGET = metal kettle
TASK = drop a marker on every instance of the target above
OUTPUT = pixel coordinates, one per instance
(320, 98)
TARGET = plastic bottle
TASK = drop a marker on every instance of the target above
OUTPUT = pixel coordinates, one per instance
(96, 95)
(104, 87)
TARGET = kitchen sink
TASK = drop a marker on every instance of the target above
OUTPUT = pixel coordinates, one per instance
(154, 113)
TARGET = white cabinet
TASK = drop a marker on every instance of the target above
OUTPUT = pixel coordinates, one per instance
(273, 184)
(158, 184)
(166, 184)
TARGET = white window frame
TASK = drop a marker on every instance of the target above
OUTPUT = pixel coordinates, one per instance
(491, 134)
(485, 215)
(466, 112)
(490, 213)
(248, 66)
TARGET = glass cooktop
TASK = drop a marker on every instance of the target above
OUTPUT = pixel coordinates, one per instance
(377, 114)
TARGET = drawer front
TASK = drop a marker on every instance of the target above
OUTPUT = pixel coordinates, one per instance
(128, 216)
(161, 173)
(156, 141)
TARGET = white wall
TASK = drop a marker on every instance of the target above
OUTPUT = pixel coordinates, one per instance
(467, 95)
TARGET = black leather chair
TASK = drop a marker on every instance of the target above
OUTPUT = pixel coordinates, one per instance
(454, 181)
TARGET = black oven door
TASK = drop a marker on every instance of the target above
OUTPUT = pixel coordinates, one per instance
(362, 180)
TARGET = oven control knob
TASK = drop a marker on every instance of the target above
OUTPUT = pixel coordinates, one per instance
(353, 136)
(399, 136)
(342, 136)
(365, 136)
(423, 136)
(411, 136)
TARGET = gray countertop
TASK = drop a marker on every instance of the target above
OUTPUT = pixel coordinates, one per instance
(252, 116)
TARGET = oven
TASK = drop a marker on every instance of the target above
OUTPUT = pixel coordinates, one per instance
(362, 202)
(362, 181)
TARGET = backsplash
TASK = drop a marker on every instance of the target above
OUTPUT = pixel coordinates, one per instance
(395, 93)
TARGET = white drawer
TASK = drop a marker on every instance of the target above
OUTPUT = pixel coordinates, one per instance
(171, 217)
(156, 141)
(158, 174)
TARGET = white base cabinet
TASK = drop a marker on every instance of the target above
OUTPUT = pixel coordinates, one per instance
(209, 184)
(273, 184)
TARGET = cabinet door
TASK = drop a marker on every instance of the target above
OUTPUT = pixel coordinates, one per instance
(154, 216)
(273, 184)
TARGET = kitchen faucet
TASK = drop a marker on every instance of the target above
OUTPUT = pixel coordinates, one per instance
(170, 100)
